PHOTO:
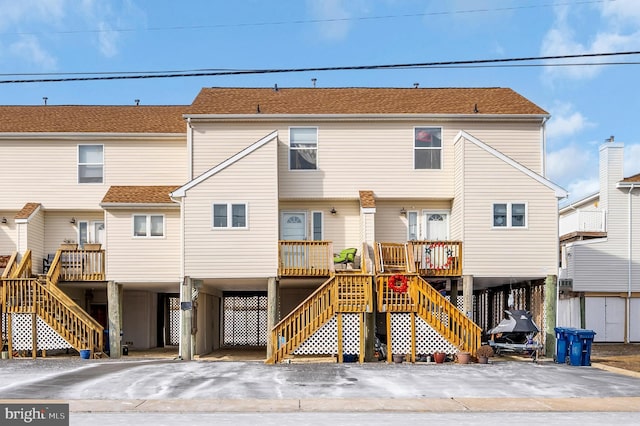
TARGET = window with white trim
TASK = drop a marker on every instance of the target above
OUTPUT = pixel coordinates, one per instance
(412, 219)
(303, 148)
(509, 215)
(427, 144)
(229, 215)
(90, 163)
(148, 225)
(316, 225)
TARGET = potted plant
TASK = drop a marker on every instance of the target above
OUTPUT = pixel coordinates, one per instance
(483, 353)
(68, 244)
(462, 355)
(439, 357)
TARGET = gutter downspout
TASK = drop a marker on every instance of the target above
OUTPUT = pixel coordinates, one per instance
(189, 149)
(544, 145)
(627, 336)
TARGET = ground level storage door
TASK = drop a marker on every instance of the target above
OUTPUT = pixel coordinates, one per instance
(605, 316)
(245, 319)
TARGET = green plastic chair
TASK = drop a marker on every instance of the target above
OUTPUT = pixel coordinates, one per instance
(345, 256)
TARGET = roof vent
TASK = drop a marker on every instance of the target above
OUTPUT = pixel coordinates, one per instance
(610, 140)
(313, 82)
(137, 101)
(44, 98)
(416, 85)
(275, 87)
(475, 108)
(258, 109)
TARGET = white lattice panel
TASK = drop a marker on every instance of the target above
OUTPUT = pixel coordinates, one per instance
(427, 339)
(325, 340)
(174, 321)
(21, 336)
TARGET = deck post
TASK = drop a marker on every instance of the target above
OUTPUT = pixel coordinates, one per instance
(272, 313)
(186, 318)
(550, 300)
(467, 295)
(113, 301)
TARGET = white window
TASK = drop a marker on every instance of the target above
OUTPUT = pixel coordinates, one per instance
(148, 225)
(303, 148)
(230, 215)
(509, 215)
(427, 152)
(412, 218)
(90, 163)
(317, 225)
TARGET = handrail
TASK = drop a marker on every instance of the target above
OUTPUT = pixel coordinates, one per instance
(23, 270)
(305, 258)
(437, 258)
(432, 307)
(445, 317)
(303, 321)
(394, 257)
(28, 295)
(12, 265)
(77, 265)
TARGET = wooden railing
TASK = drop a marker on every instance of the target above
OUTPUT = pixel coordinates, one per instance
(59, 311)
(12, 265)
(305, 258)
(437, 258)
(427, 258)
(340, 293)
(420, 297)
(77, 265)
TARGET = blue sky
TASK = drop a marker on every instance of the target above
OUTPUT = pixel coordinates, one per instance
(587, 103)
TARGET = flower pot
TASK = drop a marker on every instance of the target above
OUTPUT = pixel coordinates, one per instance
(463, 357)
(439, 357)
(483, 360)
(398, 359)
(92, 246)
(69, 246)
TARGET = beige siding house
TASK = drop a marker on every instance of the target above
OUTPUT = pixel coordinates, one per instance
(599, 273)
(220, 220)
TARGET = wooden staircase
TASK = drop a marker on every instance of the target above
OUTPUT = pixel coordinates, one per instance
(341, 293)
(23, 294)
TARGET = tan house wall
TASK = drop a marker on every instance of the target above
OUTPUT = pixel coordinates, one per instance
(391, 226)
(126, 162)
(226, 253)
(35, 238)
(8, 233)
(59, 228)
(343, 147)
(505, 252)
(142, 260)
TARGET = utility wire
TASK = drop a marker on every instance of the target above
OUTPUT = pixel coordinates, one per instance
(467, 63)
(313, 21)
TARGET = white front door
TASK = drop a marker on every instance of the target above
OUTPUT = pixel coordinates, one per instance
(98, 232)
(294, 226)
(436, 225)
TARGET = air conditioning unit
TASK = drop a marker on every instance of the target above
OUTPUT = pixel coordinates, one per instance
(565, 284)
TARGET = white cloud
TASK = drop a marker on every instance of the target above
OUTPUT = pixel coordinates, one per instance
(581, 188)
(572, 163)
(565, 121)
(617, 27)
(631, 159)
(28, 48)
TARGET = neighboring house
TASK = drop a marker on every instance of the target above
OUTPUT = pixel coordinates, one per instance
(239, 201)
(599, 276)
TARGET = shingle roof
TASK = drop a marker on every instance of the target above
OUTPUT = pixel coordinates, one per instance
(139, 194)
(92, 119)
(634, 178)
(362, 101)
(27, 210)
(367, 199)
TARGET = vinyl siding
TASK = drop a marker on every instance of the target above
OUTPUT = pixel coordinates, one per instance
(251, 252)
(8, 233)
(392, 227)
(342, 229)
(354, 154)
(457, 204)
(35, 238)
(142, 260)
(46, 170)
(59, 229)
(506, 252)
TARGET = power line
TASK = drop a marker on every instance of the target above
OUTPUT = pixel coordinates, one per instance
(314, 21)
(467, 63)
